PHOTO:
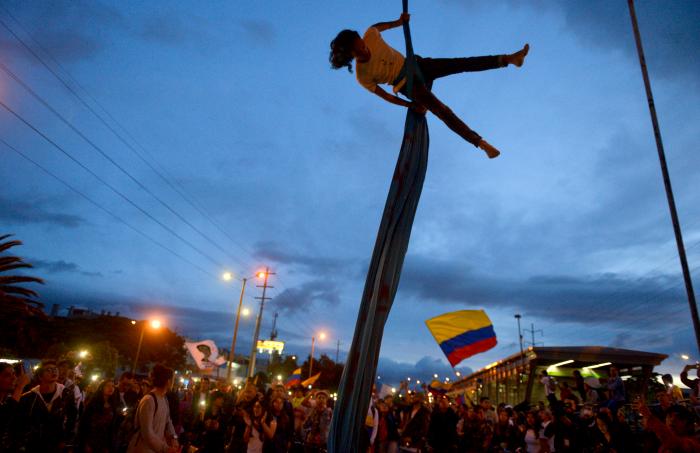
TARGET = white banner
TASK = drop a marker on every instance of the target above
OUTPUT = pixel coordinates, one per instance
(205, 354)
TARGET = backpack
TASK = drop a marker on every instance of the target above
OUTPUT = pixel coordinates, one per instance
(135, 427)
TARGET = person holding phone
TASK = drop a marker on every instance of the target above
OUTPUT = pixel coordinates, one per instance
(11, 385)
(693, 384)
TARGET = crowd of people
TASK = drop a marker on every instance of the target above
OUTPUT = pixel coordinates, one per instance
(56, 414)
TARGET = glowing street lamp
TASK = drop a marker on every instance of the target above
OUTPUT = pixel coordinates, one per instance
(82, 354)
(685, 357)
(321, 336)
(227, 276)
(264, 275)
(155, 325)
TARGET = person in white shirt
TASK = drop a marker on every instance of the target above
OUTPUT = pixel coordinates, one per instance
(156, 433)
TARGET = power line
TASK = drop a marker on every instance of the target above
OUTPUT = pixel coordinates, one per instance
(40, 99)
(167, 180)
(111, 187)
(102, 208)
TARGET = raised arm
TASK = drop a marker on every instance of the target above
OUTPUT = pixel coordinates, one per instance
(381, 26)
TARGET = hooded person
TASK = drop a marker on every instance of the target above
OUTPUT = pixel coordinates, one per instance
(47, 412)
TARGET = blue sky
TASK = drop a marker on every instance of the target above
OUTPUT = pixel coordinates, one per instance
(290, 162)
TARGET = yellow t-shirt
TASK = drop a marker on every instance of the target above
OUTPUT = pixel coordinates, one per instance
(384, 64)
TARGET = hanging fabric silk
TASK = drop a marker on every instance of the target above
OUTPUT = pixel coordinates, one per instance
(383, 274)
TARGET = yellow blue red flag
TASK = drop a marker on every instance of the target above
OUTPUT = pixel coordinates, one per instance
(294, 379)
(462, 334)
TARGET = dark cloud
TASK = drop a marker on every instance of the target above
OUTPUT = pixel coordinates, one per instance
(14, 212)
(392, 372)
(670, 31)
(259, 31)
(164, 29)
(69, 31)
(310, 295)
(55, 267)
(313, 265)
(174, 29)
(595, 299)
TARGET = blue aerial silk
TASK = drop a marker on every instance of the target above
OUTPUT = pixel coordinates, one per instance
(383, 275)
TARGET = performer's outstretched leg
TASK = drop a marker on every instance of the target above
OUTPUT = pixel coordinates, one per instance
(434, 68)
(428, 100)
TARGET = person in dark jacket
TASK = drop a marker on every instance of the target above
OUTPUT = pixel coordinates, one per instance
(47, 412)
(416, 424)
(97, 430)
(11, 387)
(213, 425)
(387, 429)
(125, 399)
(442, 431)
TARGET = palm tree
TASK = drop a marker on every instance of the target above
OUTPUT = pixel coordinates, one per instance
(14, 298)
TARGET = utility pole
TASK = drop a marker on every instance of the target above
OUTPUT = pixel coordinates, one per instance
(232, 353)
(667, 178)
(532, 331)
(520, 337)
(254, 349)
(311, 359)
(273, 333)
(337, 352)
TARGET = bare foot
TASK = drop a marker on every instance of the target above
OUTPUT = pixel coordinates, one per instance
(518, 58)
(490, 150)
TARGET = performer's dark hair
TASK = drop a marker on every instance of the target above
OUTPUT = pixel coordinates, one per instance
(341, 49)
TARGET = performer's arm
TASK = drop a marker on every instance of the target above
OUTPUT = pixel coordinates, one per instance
(381, 26)
(389, 98)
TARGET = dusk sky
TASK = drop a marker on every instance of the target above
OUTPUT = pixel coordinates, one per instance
(280, 161)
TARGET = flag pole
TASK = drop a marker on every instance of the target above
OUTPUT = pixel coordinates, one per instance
(667, 178)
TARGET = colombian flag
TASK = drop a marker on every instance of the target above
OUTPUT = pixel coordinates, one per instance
(294, 379)
(438, 388)
(311, 380)
(462, 334)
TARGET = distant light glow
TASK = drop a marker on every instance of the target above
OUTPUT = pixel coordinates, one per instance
(155, 323)
(95, 377)
(133, 323)
(685, 357)
(82, 354)
(598, 365)
(565, 362)
(227, 276)
(245, 311)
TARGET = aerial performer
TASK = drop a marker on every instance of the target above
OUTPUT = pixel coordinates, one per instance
(378, 63)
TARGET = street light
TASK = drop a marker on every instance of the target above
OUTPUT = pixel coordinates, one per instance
(321, 336)
(82, 354)
(265, 275)
(227, 276)
(155, 325)
(685, 357)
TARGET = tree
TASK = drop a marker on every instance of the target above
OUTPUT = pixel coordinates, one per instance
(15, 299)
(330, 372)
